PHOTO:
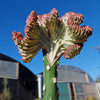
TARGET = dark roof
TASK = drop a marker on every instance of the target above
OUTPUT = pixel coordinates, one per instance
(23, 71)
(6, 58)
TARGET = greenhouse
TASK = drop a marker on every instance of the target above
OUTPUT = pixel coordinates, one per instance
(16, 81)
(19, 83)
(73, 84)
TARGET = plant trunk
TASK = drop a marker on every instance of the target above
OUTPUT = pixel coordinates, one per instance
(50, 90)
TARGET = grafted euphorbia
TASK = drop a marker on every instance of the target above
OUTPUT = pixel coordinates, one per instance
(56, 36)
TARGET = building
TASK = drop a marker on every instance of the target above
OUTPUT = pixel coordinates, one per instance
(73, 84)
(16, 81)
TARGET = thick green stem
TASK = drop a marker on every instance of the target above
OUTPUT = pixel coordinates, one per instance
(50, 90)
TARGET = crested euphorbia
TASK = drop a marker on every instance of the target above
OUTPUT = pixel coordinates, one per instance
(56, 36)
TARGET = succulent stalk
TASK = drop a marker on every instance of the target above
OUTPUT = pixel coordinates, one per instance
(57, 37)
(50, 90)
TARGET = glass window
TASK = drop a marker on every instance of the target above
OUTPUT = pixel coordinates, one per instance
(8, 69)
(79, 88)
(63, 91)
(80, 97)
(64, 97)
(70, 76)
(79, 91)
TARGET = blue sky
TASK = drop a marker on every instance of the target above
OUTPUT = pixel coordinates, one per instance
(13, 14)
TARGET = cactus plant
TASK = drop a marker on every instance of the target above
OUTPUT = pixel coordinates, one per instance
(57, 37)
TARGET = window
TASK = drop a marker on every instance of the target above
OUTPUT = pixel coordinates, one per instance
(8, 69)
(79, 91)
(63, 91)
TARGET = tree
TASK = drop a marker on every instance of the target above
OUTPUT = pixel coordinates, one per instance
(6, 95)
(56, 37)
(98, 79)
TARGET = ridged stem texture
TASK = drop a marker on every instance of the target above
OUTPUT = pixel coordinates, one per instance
(50, 90)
